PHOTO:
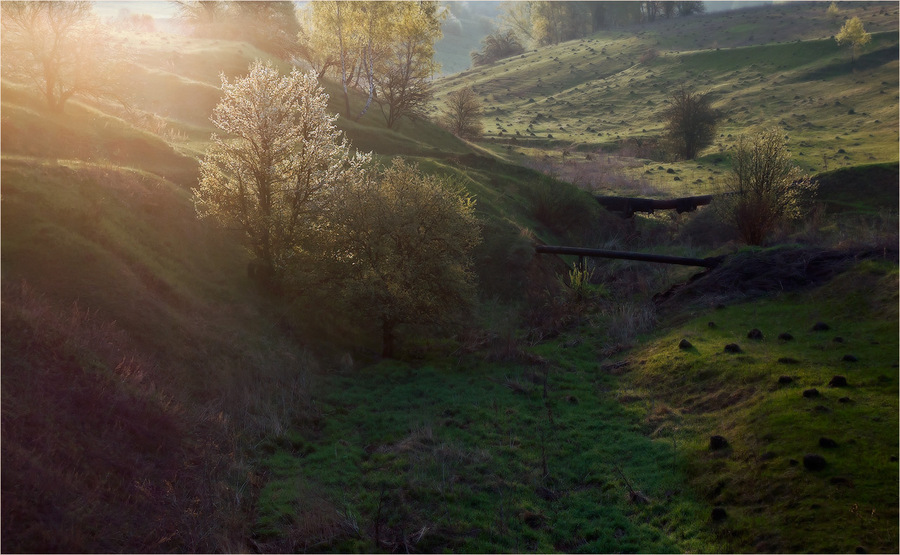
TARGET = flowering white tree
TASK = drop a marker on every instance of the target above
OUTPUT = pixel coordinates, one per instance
(269, 176)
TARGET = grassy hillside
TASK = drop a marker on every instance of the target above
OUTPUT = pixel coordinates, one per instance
(607, 91)
(128, 322)
(132, 350)
(155, 400)
(779, 400)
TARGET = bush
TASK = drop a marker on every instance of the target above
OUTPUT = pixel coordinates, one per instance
(649, 55)
(690, 123)
(496, 46)
(768, 189)
(563, 208)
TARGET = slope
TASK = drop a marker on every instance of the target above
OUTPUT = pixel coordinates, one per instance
(608, 91)
(140, 364)
(791, 433)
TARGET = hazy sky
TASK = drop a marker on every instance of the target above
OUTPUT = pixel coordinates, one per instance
(163, 9)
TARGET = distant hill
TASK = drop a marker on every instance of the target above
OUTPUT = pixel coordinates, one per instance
(769, 65)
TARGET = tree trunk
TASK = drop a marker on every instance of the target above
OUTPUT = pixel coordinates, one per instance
(370, 73)
(343, 59)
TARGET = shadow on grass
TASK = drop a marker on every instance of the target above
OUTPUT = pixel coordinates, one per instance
(865, 62)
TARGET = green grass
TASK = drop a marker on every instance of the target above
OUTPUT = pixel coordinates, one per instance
(774, 503)
(480, 459)
(597, 94)
(141, 330)
(867, 189)
(534, 455)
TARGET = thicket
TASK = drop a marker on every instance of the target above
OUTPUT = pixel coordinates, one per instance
(63, 49)
(496, 46)
(271, 26)
(383, 49)
(544, 23)
(395, 246)
(690, 123)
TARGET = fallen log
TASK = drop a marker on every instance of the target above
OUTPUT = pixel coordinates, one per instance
(629, 205)
(625, 255)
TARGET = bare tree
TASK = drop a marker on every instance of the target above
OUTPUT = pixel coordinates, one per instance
(462, 114)
(690, 123)
(403, 84)
(61, 48)
(769, 188)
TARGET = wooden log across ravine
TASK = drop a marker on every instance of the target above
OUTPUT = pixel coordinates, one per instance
(629, 205)
(625, 255)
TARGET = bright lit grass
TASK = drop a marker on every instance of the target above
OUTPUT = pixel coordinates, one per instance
(598, 93)
(773, 503)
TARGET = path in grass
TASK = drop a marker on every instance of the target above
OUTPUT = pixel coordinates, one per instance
(479, 457)
(567, 452)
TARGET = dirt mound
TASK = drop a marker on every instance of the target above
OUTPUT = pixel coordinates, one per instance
(751, 274)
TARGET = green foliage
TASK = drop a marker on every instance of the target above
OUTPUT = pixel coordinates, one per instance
(768, 188)
(854, 35)
(271, 26)
(555, 22)
(563, 208)
(401, 247)
(391, 44)
(404, 84)
(579, 282)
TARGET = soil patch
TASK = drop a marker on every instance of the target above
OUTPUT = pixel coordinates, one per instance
(752, 274)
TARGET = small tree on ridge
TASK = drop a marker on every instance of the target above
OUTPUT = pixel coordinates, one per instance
(854, 35)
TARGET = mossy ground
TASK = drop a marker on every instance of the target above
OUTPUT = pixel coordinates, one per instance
(774, 503)
(542, 454)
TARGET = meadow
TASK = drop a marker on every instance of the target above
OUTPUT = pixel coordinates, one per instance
(155, 399)
(779, 66)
